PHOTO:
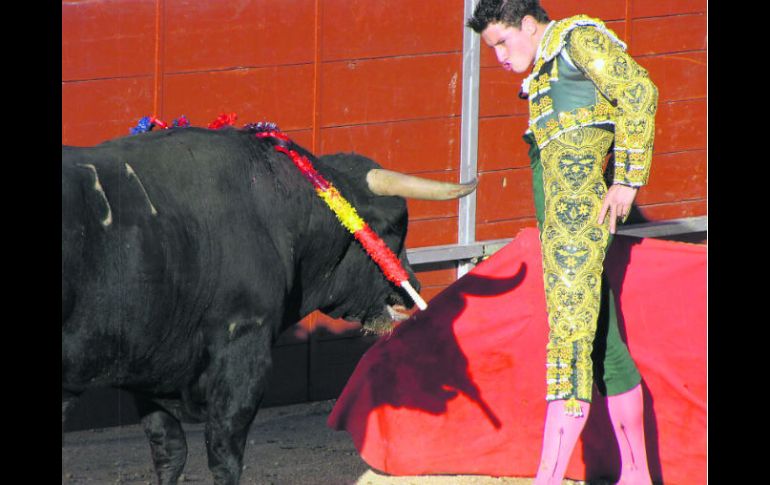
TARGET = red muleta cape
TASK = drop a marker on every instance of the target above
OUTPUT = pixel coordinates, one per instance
(460, 388)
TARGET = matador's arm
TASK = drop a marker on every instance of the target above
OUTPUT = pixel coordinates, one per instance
(628, 87)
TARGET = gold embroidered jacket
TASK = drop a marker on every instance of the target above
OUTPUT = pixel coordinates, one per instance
(582, 77)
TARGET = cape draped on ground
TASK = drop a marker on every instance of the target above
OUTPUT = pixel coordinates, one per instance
(460, 388)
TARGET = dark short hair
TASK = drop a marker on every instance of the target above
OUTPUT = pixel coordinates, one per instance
(508, 12)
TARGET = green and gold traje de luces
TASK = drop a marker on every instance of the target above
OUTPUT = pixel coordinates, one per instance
(585, 94)
(573, 247)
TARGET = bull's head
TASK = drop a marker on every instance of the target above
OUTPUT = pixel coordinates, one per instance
(358, 289)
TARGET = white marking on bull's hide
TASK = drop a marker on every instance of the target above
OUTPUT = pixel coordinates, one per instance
(252, 322)
(98, 187)
(130, 172)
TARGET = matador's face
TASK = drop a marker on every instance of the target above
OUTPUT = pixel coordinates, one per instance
(515, 47)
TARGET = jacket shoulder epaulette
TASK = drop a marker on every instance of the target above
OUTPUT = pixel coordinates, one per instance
(556, 37)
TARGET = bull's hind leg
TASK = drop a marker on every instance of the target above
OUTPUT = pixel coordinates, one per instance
(237, 383)
(167, 441)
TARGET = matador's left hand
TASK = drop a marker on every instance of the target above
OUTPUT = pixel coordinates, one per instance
(617, 201)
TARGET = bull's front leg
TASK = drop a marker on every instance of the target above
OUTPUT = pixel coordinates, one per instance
(167, 440)
(236, 386)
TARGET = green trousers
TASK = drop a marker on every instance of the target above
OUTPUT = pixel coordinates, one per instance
(614, 371)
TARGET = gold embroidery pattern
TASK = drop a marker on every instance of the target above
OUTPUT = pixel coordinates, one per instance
(540, 85)
(538, 109)
(555, 37)
(620, 79)
(530, 86)
(600, 113)
(573, 254)
(555, 70)
(554, 40)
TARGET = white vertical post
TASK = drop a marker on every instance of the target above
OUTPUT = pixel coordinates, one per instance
(469, 134)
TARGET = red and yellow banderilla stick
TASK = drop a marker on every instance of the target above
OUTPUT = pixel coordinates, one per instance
(374, 246)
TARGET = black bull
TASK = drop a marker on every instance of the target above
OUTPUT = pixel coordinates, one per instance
(186, 252)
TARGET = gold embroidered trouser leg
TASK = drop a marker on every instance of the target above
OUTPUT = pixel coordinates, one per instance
(573, 247)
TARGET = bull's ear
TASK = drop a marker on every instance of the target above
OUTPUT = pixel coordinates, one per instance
(388, 182)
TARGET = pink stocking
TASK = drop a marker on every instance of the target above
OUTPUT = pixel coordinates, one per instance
(626, 414)
(559, 437)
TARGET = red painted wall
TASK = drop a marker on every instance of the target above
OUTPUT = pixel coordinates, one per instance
(383, 78)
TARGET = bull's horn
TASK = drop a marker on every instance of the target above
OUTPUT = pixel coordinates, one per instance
(388, 182)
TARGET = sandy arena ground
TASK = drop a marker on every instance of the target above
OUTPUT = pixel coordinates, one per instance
(288, 445)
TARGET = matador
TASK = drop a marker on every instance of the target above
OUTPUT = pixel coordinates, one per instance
(585, 94)
(589, 102)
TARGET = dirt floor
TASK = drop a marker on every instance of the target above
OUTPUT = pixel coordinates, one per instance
(287, 445)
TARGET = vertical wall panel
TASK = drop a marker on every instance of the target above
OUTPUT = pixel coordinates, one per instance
(678, 76)
(395, 88)
(416, 146)
(431, 232)
(203, 35)
(680, 126)
(491, 230)
(605, 9)
(641, 8)
(676, 210)
(500, 143)
(253, 94)
(678, 176)
(107, 39)
(505, 194)
(95, 111)
(301, 137)
(438, 277)
(358, 29)
(499, 93)
(678, 33)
